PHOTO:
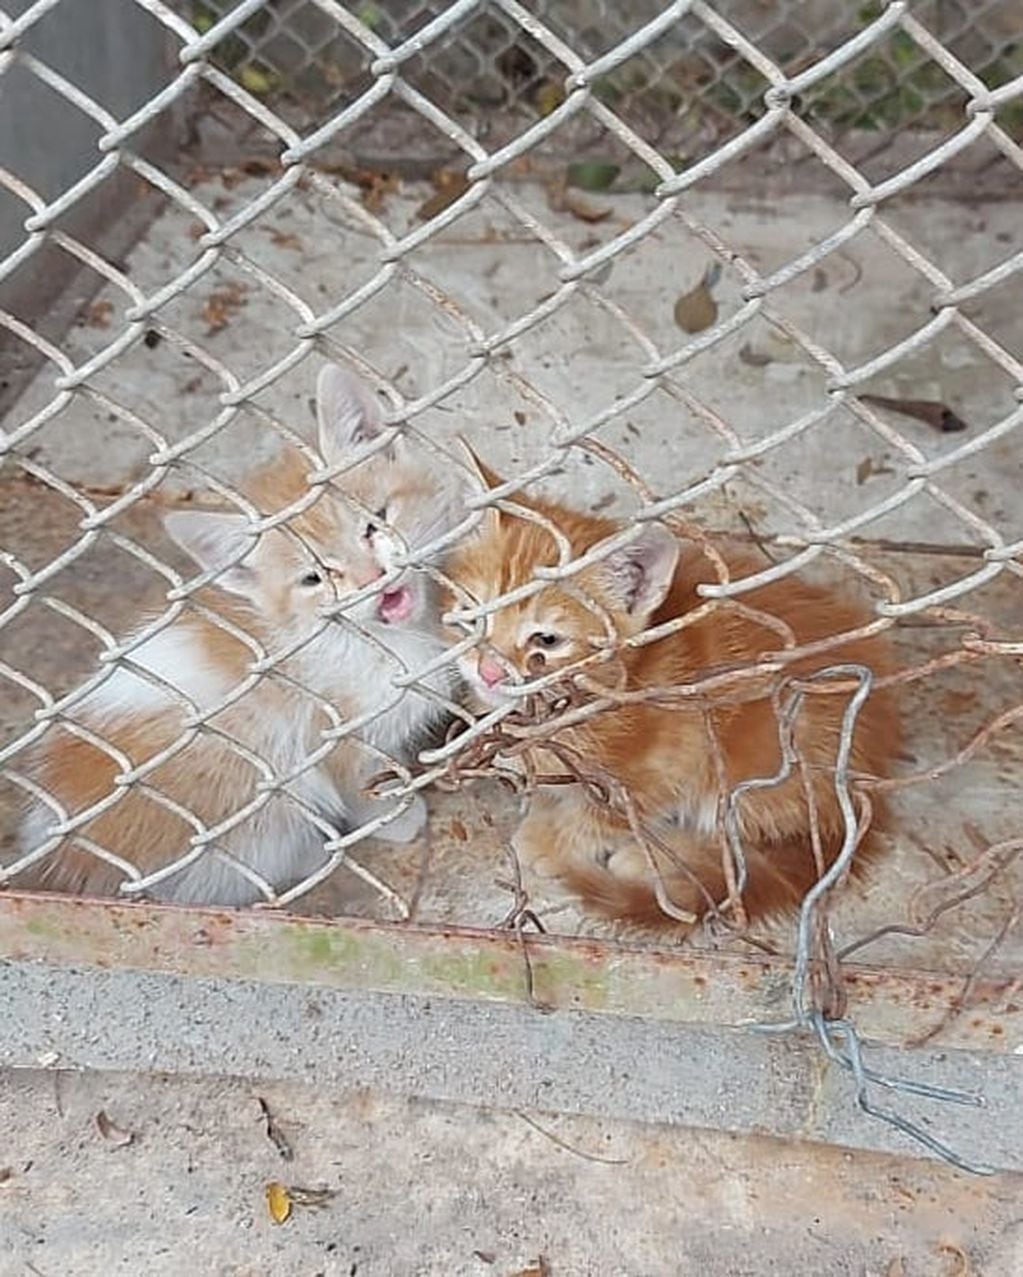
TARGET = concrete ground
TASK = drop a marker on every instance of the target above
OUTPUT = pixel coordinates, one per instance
(172, 1178)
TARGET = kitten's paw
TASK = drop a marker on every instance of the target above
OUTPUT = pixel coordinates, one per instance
(406, 827)
(536, 854)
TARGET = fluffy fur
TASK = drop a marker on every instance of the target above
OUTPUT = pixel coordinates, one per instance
(663, 755)
(278, 590)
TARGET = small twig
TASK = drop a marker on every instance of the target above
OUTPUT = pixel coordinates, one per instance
(273, 1132)
(555, 1139)
(755, 536)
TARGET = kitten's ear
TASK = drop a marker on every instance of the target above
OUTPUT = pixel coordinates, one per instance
(487, 477)
(638, 576)
(347, 412)
(213, 539)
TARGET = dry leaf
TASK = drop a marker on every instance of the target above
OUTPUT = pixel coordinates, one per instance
(960, 1263)
(256, 80)
(895, 1268)
(931, 411)
(311, 1196)
(221, 305)
(278, 1202)
(696, 310)
(458, 831)
(375, 189)
(98, 314)
(583, 209)
(752, 357)
(117, 1135)
(867, 469)
(5, 1174)
(540, 1268)
(448, 185)
(286, 239)
(549, 96)
(260, 168)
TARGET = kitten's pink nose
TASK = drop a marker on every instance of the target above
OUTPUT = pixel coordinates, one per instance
(490, 671)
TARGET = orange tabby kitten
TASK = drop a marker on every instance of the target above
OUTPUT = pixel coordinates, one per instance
(662, 754)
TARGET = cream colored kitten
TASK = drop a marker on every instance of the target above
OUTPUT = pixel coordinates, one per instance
(272, 808)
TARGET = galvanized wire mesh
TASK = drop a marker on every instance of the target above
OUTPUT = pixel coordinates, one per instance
(406, 61)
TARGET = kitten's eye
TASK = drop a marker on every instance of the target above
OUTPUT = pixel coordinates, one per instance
(549, 641)
(371, 528)
(310, 579)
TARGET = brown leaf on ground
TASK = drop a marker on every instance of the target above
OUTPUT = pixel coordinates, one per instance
(868, 468)
(116, 1135)
(260, 167)
(221, 305)
(311, 1196)
(376, 187)
(563, 199)
(931, 411)
(97, 314)
(753, 358)
(286, 239)
(540, 1268)
(448, 185)
(697, 309)
(961, 1266)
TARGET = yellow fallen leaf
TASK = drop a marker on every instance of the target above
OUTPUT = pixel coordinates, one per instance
(278, 1202)
(549, 96)
(256, 80)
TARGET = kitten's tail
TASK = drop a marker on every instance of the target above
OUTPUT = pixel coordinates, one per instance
(778, 877)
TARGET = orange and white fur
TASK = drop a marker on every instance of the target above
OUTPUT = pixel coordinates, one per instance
(279, 593)
(662, 754)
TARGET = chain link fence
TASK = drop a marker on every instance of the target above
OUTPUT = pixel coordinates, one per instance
(830, 382)
(685, 87)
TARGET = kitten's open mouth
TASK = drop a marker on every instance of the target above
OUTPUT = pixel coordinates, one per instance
(395, 605)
